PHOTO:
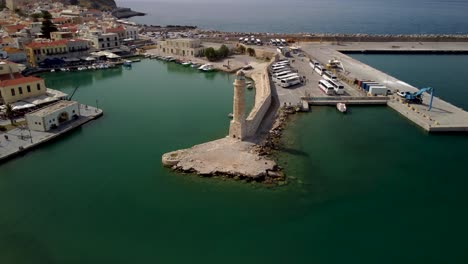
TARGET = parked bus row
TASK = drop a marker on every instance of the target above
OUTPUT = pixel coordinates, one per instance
(278, 42)
(251, 41)
(284, 75)
(331, 87)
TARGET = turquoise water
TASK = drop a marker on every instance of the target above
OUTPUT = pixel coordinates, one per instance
(328, 16)
(445, 73)
(366, 187)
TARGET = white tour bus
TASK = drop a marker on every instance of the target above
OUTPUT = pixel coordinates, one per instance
(329, 76)
(326, 87)
(279, 67)
(280, 63)
(280, 70)
(281, 73)
(320, 69)
(290, 81)
(287, 76)
(337, 87)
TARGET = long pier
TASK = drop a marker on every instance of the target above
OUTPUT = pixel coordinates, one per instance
(20, 142)
(444, 117)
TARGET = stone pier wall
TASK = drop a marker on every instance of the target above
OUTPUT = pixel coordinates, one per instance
(262, 100)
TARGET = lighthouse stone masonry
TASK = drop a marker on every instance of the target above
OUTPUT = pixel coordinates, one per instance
(237, 128)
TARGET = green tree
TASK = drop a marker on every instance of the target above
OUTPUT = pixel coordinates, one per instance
(241, 49)
(47, 25)
(36, 16)
(20, 12)
(251, 52)
(74, 2)
(210, 54)
(223, 52)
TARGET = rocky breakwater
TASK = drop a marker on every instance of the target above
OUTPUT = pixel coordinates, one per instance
(272, 141)
(228, 158)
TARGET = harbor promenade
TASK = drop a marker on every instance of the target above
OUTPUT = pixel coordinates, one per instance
(21, 140)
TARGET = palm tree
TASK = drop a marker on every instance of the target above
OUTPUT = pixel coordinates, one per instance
(9, 113)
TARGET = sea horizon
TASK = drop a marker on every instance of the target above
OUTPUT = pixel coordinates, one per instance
(298, 16)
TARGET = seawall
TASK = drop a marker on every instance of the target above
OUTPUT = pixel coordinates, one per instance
(262, 100)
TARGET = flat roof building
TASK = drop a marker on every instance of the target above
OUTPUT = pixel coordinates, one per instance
(181, 47)
(53, 116)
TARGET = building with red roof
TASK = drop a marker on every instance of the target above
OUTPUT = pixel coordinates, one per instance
(15, 87)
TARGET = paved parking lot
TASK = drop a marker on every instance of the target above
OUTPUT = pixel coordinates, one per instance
(309, 87)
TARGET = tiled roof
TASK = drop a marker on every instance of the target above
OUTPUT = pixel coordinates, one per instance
(13, 28)
(16, 75)
(115, 30)
(47, 44)
(19, 81)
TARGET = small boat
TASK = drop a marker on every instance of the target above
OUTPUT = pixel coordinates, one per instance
(127, 63)
(147, 55)
(53, 70)
(250, 86)
(341, 107)
(136, 60)
(186, 63)
(206, 68)
(195, 65)
(230, 115)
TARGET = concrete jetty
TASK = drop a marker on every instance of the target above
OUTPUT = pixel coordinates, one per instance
(21, 140)
(444, 117)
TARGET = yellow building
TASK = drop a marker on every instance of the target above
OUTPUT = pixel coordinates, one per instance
(39, 51)
(181, 47)
(15, 87)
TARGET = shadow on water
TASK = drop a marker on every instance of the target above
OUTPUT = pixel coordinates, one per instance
(294, 152)
(81, 79)
(16, 247)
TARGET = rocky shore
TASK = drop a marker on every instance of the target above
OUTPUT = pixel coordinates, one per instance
(225, 158)
(123, 12)
(272, 141)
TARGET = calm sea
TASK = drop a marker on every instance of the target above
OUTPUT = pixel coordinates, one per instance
(327, 16)
(366, 187)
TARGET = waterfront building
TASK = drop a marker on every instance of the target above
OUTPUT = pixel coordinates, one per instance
(52, 116)
(181, 47)
(102, 41)
(38, 52)
(15, 87)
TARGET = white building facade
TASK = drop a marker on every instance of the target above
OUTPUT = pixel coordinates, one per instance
(53, 116)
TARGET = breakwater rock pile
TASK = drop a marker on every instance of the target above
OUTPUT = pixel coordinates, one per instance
(228, 158)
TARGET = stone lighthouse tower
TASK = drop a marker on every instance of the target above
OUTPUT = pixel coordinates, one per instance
(237, 127)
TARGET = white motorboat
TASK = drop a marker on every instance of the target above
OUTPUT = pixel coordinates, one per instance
(341, 107)
(187, 63)
(127, 63)
(206, 67)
